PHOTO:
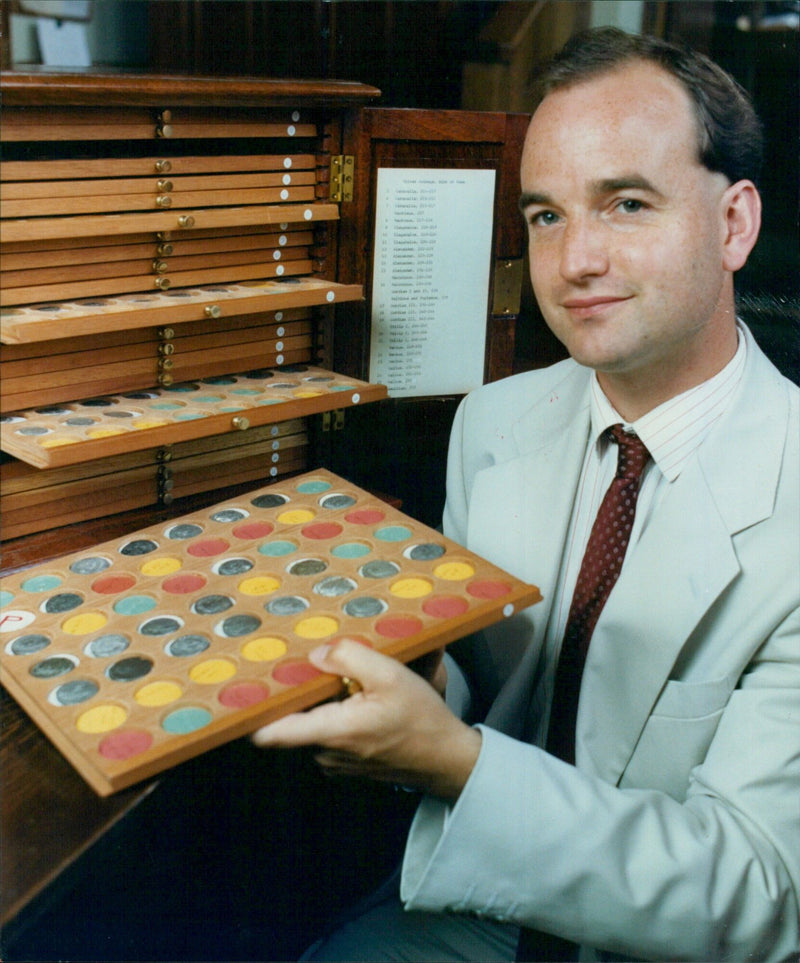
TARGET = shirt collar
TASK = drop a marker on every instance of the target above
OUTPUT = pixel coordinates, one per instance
(676, 428)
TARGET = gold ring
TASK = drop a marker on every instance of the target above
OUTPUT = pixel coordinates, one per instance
(351, 686)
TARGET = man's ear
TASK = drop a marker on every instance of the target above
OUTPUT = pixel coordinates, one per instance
(741, 210)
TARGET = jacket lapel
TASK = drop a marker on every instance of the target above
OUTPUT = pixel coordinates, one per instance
(682, 563)
(551, 438)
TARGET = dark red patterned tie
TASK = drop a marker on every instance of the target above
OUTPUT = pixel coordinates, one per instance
(600, 568)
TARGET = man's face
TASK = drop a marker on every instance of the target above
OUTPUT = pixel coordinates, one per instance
(626, 227)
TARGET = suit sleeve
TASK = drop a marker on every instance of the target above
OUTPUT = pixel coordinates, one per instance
(635, 872)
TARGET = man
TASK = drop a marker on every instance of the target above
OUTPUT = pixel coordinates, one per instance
(669, 826)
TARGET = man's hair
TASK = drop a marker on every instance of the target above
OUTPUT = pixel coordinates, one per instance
(729, 139)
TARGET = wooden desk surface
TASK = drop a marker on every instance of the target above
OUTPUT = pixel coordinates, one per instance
(48, 814)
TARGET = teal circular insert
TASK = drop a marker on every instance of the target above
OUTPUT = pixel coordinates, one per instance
(187, 719)
(313, 487)
(350, 550)
(6, 598)
(135, 605)
(277, 548)
(41, 583)
(393, 533)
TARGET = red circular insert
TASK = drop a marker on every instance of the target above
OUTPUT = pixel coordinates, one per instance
(294, 673)
(183, 583)
(321, 530)
(208, 547)
(253, 530)
(488, 588)
(125, 743)
(112, 584)
(445, 606)
(365, 516)
(398, 626)
(240, 695)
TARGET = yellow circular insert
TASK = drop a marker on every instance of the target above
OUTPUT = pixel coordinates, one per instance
(101, 718)
(295, 516)
(212, 671)
(316, 627)
(144, 425)
(158, 693)
(259, 585)
(454, 571)
(58, 442)
(104, 432)
(160, 566)
(84, 623)
(411, 588)
(265, 649)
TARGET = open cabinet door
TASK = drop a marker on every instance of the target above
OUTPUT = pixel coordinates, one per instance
(433, 221)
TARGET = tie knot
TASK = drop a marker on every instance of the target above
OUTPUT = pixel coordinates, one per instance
(632, 455)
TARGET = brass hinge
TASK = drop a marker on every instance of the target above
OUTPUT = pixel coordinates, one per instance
(342, 177)
(507, 286)
(333, 420)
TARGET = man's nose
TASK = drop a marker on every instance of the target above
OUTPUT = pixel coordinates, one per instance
(584, 251)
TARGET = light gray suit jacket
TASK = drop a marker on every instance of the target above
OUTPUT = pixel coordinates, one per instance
(677, 834)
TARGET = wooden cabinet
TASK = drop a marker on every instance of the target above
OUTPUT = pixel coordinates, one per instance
(185, 280)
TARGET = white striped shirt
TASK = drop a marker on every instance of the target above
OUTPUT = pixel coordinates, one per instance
(672, 432)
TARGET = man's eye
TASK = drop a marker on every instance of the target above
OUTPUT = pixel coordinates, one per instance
(544, 218)
(630, 205)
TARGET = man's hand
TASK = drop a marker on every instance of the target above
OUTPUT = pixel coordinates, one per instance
(396, 729)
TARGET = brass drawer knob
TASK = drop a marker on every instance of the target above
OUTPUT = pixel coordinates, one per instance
(212, 311)
(163, 201)
(185, 220)
(164, 249)
(162, 283)
(160, 267)
(167, 334)
(163, 185)
(166, 349)
(240, 422)
(163, 166)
